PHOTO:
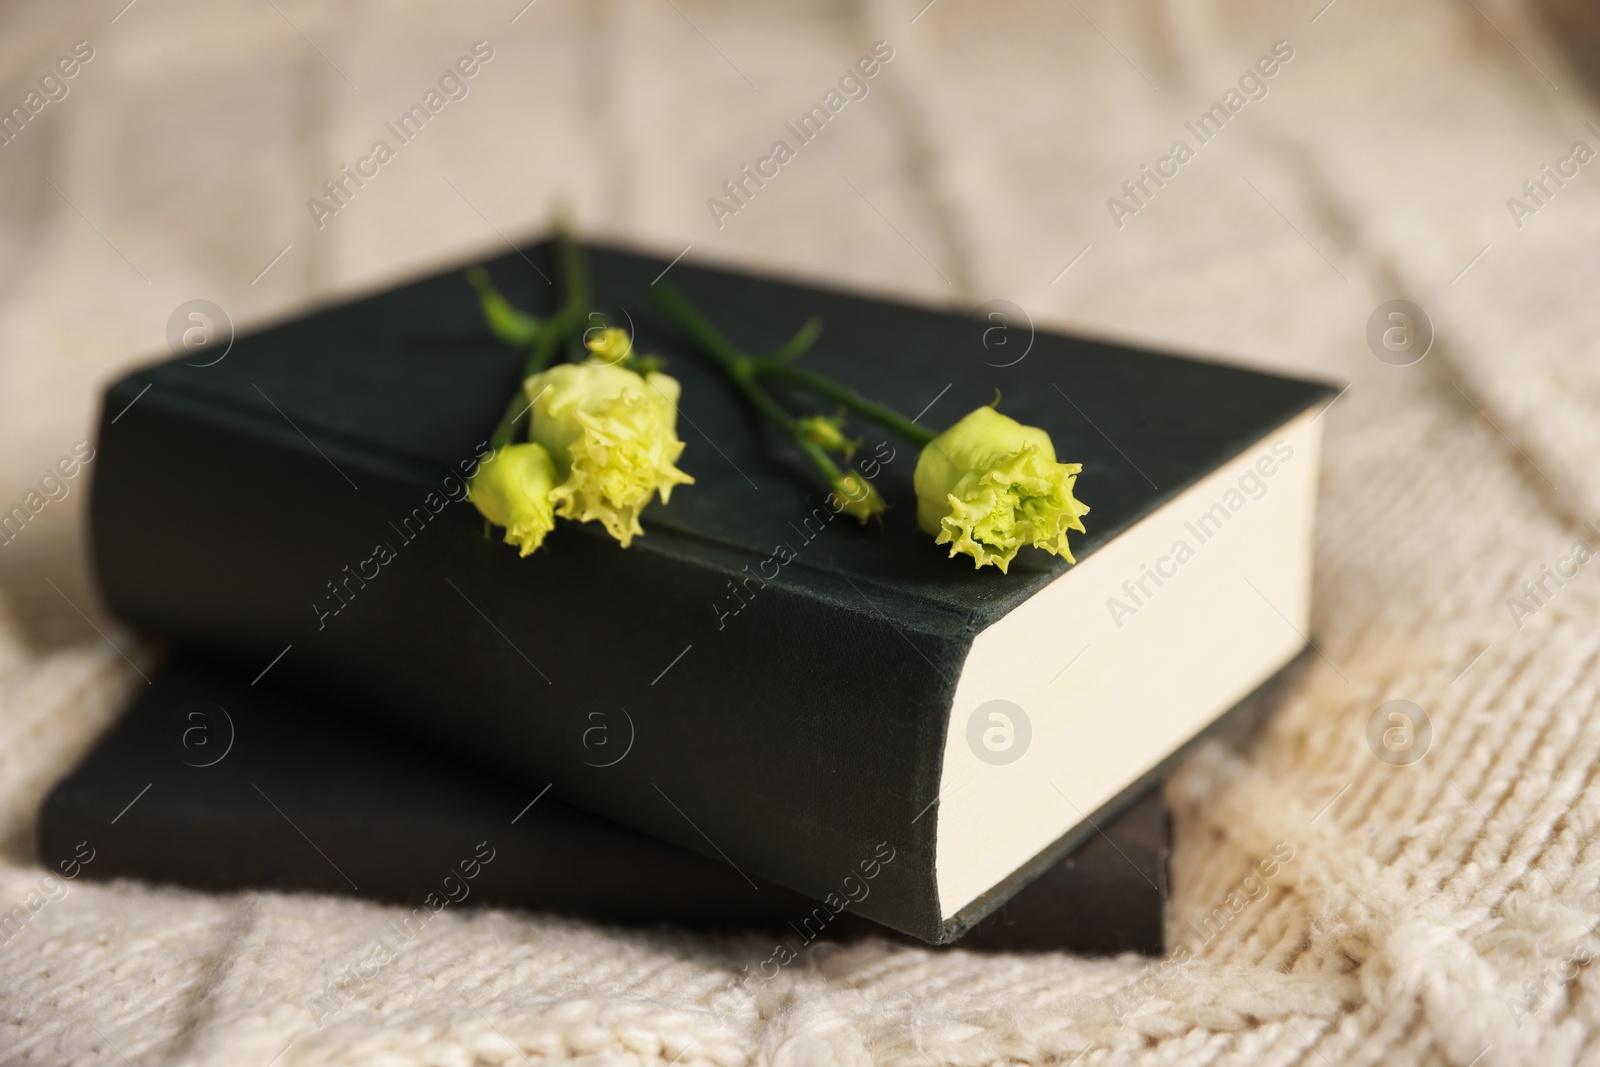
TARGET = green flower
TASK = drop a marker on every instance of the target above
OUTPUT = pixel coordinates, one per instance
(612, 434)
(989, 485)
(512, 489)
(855, 496)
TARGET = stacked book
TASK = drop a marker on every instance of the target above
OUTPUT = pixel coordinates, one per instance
(755, 715)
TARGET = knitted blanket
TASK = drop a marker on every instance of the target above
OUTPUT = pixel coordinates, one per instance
(1439, 903)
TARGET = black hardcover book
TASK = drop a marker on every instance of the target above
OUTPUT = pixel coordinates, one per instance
(211, 783)
(792, 694)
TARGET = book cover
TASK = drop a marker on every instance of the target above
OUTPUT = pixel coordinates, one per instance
(781, 690)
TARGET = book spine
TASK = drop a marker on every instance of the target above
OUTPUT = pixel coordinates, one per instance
(801, 740)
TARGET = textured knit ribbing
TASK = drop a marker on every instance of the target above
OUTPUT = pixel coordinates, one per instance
(1433, 913)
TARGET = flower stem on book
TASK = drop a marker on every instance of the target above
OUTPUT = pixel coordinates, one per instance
(986, 487)
(852, 494)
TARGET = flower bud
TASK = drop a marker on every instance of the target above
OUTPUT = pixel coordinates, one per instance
(612, 434)
(989, 485)
(610, 346)
(512, 489)
(828, 433)
(855, 496)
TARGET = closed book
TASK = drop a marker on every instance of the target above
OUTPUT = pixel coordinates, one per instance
(757, 678)
(209, 782)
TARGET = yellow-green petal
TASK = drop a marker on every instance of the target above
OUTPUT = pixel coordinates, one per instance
(612, 434)
(990, 485)
(512, 489)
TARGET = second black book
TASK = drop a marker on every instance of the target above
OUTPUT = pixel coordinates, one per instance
(211, 783)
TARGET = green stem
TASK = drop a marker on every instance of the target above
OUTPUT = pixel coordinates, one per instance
(737, 363)
(797, 345)
(553, 331)
(747, 384)
(543, 347)
(574, 273)
(506, 433)
(819, 456)
(700, 331)
(821, 383)
(575, 283)
(740, 369)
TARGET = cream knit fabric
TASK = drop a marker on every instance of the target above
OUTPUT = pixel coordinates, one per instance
(1440, 912)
